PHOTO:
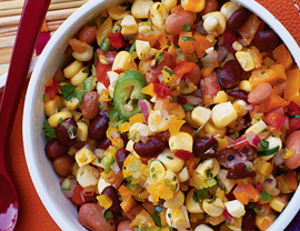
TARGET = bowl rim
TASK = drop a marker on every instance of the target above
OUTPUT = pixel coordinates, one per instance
(28, 139)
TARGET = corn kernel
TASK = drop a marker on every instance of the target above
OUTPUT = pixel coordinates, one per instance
(278, 203)
(82, 132)
(237, 46)
(223, 114)
(144, 50)
(235, 208)
(245, 85)
(221, 97)
(181, 141)
(129, 25)
(245, 59)
(84, 156)
(210, 128)
(193, 5)
(200, 115)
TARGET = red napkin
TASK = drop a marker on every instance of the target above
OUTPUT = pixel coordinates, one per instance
(32, 214)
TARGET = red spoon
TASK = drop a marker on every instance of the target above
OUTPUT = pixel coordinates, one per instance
(33, 14)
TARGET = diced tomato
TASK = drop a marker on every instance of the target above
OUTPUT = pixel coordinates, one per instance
(52, 90)
(241, 141)
(294, 124)
(229, 37)
(183, 68)
(78, 198)
(293, 108)
(116, 40)
(162, 90)
(275, 120)
(183, 154)
(102, 69)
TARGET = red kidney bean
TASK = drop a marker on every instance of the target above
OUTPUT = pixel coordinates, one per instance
(201, 145)
(112, 193)
(121, 155)
(175, 22)
(240, 171)
(248, 223)
(90, 105)
(239, 94)
(88, 34)
(54, 149)
(266, 40)
(210, 5)
(63, 165)
(260, 93)
(124, 136)
(154, 146)
(153, 73)
(165, 134)
(104, 144)
(66, 132)
(226, 155)
(134, 211)
(98, 127)
(230, 74)
(238, 18)
(250, 152)
(125, 226)
(91, 216)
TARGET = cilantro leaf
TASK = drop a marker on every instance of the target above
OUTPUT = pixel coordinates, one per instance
(49, 131)
(202, 194)
(186, 27)
(107, 215)
(78, 95)
(265, 196)
(68, 91)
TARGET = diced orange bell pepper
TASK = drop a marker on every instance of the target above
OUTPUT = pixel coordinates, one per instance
(172, 50)
(246, 192)
(136, 118)
(268, 61)
(208, 67)
(125, 193)
(183, 68)
(49, 82)
(273, 102)
(175, 126)
(162, 39)
(191, 165)
(283, 56)
(186, 42)
(201, 44)
(152, 39)
(58, 76)
(292, 89)
(162, 215)
(176, 8)
(260, 76)
(256, 55)
(149, 206)
(279, 68)
(78, 45)
(177, 110)
(127, 205)
(291, 180)
(248, 30)
(265, 224)
(148, 90)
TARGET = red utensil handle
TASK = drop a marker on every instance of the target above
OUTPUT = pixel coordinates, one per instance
(31, 21)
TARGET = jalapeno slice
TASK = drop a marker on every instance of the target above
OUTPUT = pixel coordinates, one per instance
(127, 93)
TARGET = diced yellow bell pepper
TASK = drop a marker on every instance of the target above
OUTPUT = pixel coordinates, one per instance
(105, 201)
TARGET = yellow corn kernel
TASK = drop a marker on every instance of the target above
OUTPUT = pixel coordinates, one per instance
(170, 161)
(217, 21)
(176, 201)
(84, 156)
(124, 127)
(221, 97)
(87, 176)
(227, 184)
(208, 169)
(213, 208)
(178, 218)
(84, 56)
(245, 85)
(289, 153)
(144, 66)
(72, 69)
(223, 143)
(240, 103)
(154, 120)
(257, 127)
(158, 13)
(129, 25)
(82, 132)
(200, 115)
(228, 8)
(181, 141)
(278, 203)
(263, 222)
(157, 171)
(144, 50)
(210, 128)
(237, 46)
(62, 115)
(72, 104)
(183, 175)
(141, 8)
(52, 106)
(169, 4)
(245, 59)
(223, 114)
(123, 62)
(105, 201)
(118, 12)
(81, 75)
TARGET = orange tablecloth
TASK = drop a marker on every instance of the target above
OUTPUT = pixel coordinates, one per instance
(32, 214)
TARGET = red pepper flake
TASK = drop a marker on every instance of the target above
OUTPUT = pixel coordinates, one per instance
(116, 40)
(183, 154)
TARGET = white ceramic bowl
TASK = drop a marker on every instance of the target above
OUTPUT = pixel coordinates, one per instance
(63, 212)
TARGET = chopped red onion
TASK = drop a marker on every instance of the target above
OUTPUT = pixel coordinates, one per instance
(278, 158)
(227, 215)
(248, 107)
(259, 186)
(69, 193)
(115, 168)
(88, 191)
(115, 135)
(253, 139)
(146, 107)
(164, 113)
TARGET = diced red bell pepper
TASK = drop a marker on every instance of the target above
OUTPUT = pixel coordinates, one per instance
(116, 40)
(162, 90)
(293, 108)
(102, 69)
(183, 154)
(78, 198)
(275, 120)
(241, 141)
(229, 37)
(183, 67)
(294, 124)
(52, 90)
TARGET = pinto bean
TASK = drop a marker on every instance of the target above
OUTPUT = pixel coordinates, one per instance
(54, 149)
(88, 34)
(195, 75)
(293, 141)
(121, 155)
(260, 93)
(154, 146)
(91, 216)
(98, 127)
(90, 105)
(134, 211)
(175, 22)
(124, 226)
(66, 132)
(112, 193)
(210, 6)
(104, 144)
(63, 165)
